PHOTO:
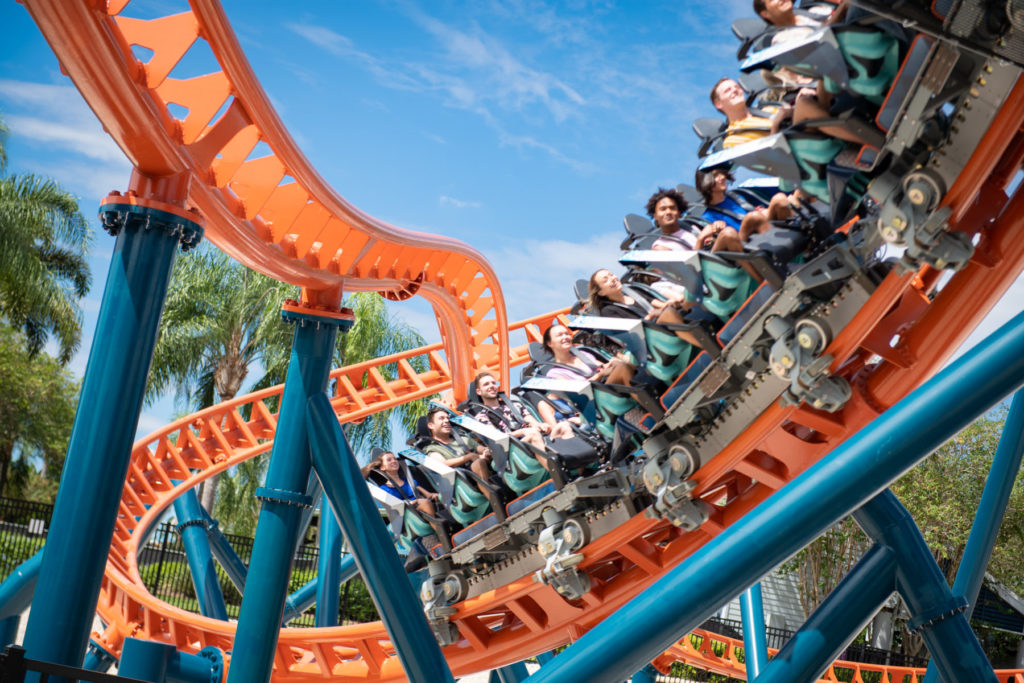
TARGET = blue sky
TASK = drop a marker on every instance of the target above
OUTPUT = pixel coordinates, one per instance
(524, 128)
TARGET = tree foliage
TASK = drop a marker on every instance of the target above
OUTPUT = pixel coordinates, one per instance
(37, 409)
(942, 493)
(44, 240)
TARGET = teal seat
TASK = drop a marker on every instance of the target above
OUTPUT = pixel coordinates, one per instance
(813, 152)
(874, 60)
(524, 471)
(467, 505)
(609, 404)
(415, 526)
(728, 287)
(668, 354)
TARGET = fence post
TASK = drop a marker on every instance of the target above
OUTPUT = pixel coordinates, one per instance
(160, 562)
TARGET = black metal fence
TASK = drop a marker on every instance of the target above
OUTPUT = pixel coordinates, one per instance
(23, 527)
(856, 652)
(164, 565)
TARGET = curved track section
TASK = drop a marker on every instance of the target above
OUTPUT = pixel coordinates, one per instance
(272, 212)
(723, 655)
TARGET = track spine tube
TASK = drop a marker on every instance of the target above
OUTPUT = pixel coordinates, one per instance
(193, 531)
(328, 568)
(836, 621)
(991, 508)
(109, 405)
(372, 547)
(755, 642)
(939, 615)
(283, 498)
(794, 516)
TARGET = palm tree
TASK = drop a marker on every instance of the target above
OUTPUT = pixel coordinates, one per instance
(219, 319)
(43, 272)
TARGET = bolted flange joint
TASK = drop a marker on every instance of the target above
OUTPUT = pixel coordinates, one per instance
(302, 314)
(263, 494)
(128, 212)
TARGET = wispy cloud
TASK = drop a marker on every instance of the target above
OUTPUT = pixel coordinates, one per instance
(536, 276)
(77, 152)
(445, 200)
(475, 73)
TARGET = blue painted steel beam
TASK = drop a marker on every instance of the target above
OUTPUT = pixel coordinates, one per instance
(97, 658)
(372, 547)
(314, 490)
(935, 612)
(991, 508)
(154, 662)
(284, 497)
(225, 553)
(303, 597)
(513, 673)
(9, 630)
(16, 590)
(755, 642)
(193, 532)
(101, 438)
(790, 519)
(328, 567)
(648, 674)
(838, 619)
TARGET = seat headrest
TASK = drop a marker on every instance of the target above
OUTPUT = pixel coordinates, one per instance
(421, 427)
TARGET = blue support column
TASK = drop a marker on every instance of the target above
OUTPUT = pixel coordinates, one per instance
(648, 674)
(16, 590)
(328, 567)
(545, 657)
(991, 508)
(755, 643)
(284, 498)
(9, 630)
(513, 673)
(221, 548)
(108, 413)
(154, 662)
(794, 516)
(192, 528)
(935, 612)
(98, 659)
(314, 490)
(838, 619)
(304, 596)
(372, 547)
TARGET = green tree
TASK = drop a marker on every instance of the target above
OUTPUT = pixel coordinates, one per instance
(219, 319)
(43, 272)
(37, 409)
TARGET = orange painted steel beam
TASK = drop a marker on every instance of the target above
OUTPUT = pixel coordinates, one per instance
(274, 213)
(724, 655)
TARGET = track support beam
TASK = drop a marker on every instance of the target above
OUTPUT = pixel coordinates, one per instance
(372, 547)
(148, 234)
(284, 499)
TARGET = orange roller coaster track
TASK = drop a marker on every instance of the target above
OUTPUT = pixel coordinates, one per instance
(275, 214)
